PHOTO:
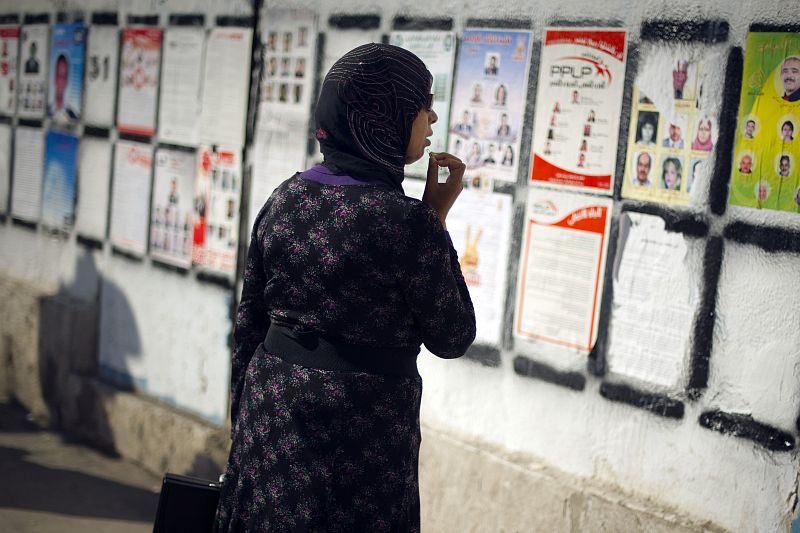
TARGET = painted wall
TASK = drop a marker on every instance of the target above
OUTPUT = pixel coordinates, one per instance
(754, 363)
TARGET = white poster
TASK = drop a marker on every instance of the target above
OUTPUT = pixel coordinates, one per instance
(171, 209)
(5, 166)
(34, 49)
(138, 81)
(562, 261)
(438, 50)
(489, 99)
(179, 107)
(26, 197)
(226, 86)
(94, 180)
(578, 105)
(9, 55)
(102, 50)
(654, 302)
(130, 196)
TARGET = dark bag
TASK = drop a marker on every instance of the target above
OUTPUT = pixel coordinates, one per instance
(186, 504)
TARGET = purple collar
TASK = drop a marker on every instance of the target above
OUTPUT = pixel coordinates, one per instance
(322, 174)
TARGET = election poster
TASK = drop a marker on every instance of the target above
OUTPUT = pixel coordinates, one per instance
(58, 188)
(26, 194)
(437, 49)
(5, 166)
(562, 262)
(65, 81)
(33, 61)
(674, 121)
(138, 81)
(130, 196)
(9, 55)
(489, 98)
(766, 164)
(171, 209)
(179, 107)
(94, 172)
(579, 102)
(101, 75)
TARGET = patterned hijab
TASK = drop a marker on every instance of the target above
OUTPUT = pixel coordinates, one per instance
(366, 107)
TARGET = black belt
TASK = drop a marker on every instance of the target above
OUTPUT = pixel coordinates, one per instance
(307, 348)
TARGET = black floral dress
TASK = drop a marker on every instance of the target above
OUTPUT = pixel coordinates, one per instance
(327, 450)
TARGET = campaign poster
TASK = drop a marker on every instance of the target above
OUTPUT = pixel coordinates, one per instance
(26, 194)
(489, 98)
(9, 51)
(33, 63)
(101, 75)
(65, 81)
(218, 186)
(5, 166)
(766, 164)
(437, 49)
(562, 262)
(58, 188)
(171, 209)
(138, 81)
(179, 107)
(94, 179)
(579, 102)
(673, 128)
(130, 196)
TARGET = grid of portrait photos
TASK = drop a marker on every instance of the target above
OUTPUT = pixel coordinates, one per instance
(287, 64)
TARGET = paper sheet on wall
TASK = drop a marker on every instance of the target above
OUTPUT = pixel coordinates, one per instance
(437, 49)
(182, 67)
(654, 302)
(673, 129)
(479, 224)
(218, 188)
(58, 188)
(130, 196)
(562, 261)
(94, 181)
(226, 86)
(766, 164)
(171, 209)
(65, 81)
(102, 51)
(33, 60)
(578, 105)
(5, 166)
(138, 81)
(26, 195)
(489, 98)
(9, 55)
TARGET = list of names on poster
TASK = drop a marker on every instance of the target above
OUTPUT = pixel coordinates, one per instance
(489, 96)
(562, 263)
(9, 55)
(130, 196)
(179, 108)
(138, 81)
(101, 75)
(579, 102)
(226, 86)
(171, 211)
(654, 301)
(26, 197)
(58, 188)
(94, 170)
(5, 166)
(31, 101)
(65, 82)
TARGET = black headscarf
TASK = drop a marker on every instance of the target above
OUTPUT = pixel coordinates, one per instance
(366, 107)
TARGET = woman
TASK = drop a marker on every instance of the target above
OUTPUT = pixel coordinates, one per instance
(702, 140)
(474, 159)
(500, 95)
(508, 156)
(787, 131)
(671, 170)
(646, 128)
(345, 277)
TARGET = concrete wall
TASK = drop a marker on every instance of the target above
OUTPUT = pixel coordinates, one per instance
(500, 451)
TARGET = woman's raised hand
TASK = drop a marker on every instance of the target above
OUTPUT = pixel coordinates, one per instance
(442, 196)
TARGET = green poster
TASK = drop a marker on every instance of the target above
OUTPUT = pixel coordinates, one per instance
(766, 165)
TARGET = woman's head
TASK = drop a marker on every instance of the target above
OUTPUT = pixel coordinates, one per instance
(671, 173)
(500, 95)
(704, 130)
(787, 131)
(647, 128)
(373, 111)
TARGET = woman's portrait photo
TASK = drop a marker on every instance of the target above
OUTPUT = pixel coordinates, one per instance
(477, 94)
(500, 95)
(787, 131)
(703, 137)
(671, 173)
(508, 156)
(647, 128)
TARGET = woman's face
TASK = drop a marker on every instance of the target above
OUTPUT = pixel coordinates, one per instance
(420, 131)
(647, 132)
(704, 131)
(501, 94)
(670, 175)
(787, 131)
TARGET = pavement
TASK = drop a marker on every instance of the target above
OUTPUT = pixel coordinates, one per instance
(49, 483)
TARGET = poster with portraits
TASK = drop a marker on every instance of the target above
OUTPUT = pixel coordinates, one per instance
(5, 166)
(182, 69)
(59, 185)
(94, 171)
(65, 81)
(138, 81)
(102, 49)
(437, 49)
(562, 261)
(26, 195)
(766, 157)
(130, 196)
(33, 59)
(218, 192)
(578, 105)
(226, 86)
(489, 96)
(171, 208)
(9, 55)
(674, 121)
